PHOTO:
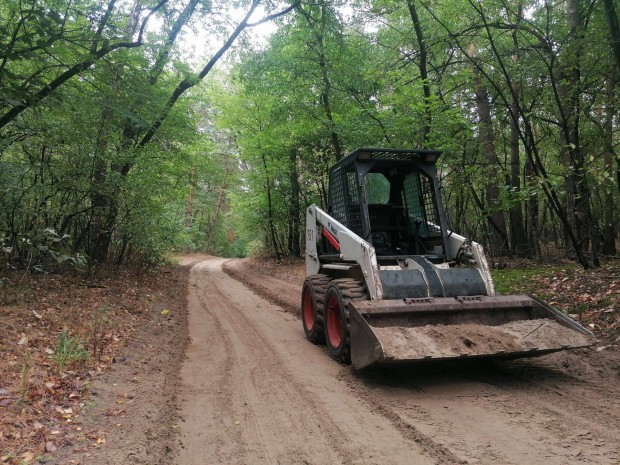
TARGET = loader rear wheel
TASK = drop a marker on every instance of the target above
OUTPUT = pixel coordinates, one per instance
(312, 303)
(337, 298)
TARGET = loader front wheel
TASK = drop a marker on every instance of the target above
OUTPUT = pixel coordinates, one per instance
(337, 298)
(312, 299)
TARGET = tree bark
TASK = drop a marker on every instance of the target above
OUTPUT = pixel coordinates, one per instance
(294, 207)
(614, 30)
(189, 209)
(423, 67)
(609, 228)
(518, 239)
(221, 196)
(533, 238)
(273, 235)
(496, 223)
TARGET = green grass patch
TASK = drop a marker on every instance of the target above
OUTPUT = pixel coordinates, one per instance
(69, 350)
(526, 280)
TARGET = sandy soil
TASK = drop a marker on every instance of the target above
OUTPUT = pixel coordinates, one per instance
(474, 339)
(255, 391)
(288, 402)
(247, 388)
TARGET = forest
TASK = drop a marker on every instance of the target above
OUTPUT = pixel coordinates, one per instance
(130, 129)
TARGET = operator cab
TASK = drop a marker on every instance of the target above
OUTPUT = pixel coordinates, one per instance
(390, 198)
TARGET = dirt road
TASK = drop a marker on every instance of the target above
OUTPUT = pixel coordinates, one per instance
(254, 391)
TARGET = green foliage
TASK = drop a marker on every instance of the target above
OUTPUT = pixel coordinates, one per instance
(69, 351)
(80, 89)
(368, 69)
(43, 250)
(236, 162)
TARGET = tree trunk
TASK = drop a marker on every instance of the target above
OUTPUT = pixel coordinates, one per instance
(101, 195)
(103, 237)
(423, 67)
(532, 218)
(326, 81)
(609, 228)
(496, 223)
(614, 30)
(294, 207)
(221, 196)
(577, 188)
(518, 239)
(189, 209)
(273, 236)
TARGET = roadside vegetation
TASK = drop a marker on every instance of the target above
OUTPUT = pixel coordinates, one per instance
(590, 297)
(59, 334)
(121, 138)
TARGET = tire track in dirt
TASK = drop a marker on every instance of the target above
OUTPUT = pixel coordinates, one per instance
(284, 406)
(251, 383)
(546, 385)
(407, 429)
(224, 377)
(287, 295)
(486, 424)
(582, 413)
(257, 384)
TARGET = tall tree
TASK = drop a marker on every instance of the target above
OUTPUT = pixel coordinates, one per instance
(424, 76)
(614, 29)
(97, 38)
(318, 19)
(498, 242)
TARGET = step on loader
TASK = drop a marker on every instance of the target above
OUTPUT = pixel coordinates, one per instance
(387, 282)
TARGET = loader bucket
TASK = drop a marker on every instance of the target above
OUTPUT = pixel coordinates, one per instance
(452, 328)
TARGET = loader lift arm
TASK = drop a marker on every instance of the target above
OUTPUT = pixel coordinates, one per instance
(352, 252)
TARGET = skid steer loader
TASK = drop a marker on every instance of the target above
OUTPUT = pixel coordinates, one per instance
(387, 282)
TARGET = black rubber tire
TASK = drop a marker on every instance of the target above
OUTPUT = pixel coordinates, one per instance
(312, 303)
(336, 316)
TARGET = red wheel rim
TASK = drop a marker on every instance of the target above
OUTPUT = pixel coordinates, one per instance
(308, 310)
(334, 325)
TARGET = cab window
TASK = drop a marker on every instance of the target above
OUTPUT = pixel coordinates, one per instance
(377, 188)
